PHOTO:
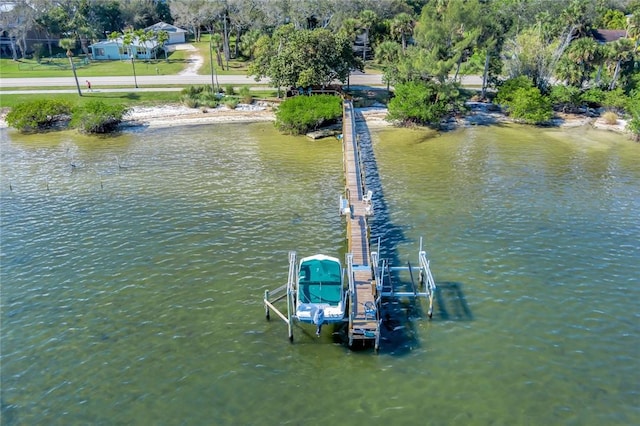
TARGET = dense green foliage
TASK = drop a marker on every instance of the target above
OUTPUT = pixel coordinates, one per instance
(633, 106)
(523, 101)
(93, 116)
(38, 115)
(508, 89)
(530, 106)
(97, 116)
(424, 102)
(301, 114)
(303, 58)
(566, 98)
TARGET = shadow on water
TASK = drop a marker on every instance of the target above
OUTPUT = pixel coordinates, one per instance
(401, 316)
(398, 333)
(450, 303)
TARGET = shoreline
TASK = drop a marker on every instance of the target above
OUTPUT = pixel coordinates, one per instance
(171, 115)
(180, 115)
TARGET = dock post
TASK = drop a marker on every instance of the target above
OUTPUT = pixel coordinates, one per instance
(290, 330)
(266, 307)
(289, 308)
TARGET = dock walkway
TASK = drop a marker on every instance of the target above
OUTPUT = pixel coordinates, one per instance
(363, 316)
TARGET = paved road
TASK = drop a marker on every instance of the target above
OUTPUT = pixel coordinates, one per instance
(162, 80)
(147, 82)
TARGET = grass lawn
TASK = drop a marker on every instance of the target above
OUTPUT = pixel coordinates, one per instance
(59, 67)
(127, 98)
(119, 98)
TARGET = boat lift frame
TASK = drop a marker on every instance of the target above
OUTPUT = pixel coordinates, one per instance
(285, 291)
(382, 276)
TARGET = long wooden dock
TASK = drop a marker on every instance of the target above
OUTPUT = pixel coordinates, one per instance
(364, 321)
(369, 276)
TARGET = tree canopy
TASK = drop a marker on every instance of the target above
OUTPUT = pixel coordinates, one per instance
(302, 58)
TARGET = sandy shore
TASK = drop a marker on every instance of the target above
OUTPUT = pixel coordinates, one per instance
(180, 115)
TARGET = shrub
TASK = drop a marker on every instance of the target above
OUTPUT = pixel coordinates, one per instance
(424, 102)
(530, 106)
(615, 99)
(245, 94)
(610, 117)
(38, 115)
(190, 101)
(97, 117)
(209, 99)
(301, 114)
(192, 91)
(593, 97)
(230, 102)
(633, 108)
(566, 98)
(507, 90)
(228, 89)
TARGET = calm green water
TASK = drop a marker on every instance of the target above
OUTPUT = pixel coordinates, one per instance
(132, 294)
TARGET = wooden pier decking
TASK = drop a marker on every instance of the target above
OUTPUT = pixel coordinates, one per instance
(363, 323)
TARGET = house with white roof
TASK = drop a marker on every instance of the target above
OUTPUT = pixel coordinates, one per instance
(176, 35)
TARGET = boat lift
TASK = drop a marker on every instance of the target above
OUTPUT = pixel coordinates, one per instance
(386, 288)
(383, 288)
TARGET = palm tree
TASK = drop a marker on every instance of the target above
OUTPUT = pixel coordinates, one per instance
(567, 70)
(367, 19)
(621, 50)
(402, 26)
(217, 42)
(68, 44)
(349, 28)
(143, 38)
(248, 43)
(583, 54)
(633, 27)
(127, 43)
(387, 53)
(162, 37)
(115, 36)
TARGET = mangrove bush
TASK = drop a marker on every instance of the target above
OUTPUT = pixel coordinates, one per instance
(97, 117)
(424, 102)
(301, 114)
(39, 115)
